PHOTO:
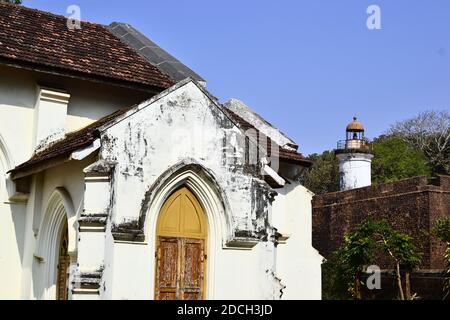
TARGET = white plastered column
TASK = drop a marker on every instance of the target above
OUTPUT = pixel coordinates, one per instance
(50, 116)
(91, 256)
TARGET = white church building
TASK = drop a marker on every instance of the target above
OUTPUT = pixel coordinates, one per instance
(123, 178)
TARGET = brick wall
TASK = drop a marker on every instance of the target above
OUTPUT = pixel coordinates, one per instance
(410, 205)
(427, 286)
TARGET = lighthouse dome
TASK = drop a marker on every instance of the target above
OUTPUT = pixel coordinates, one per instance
(355, 126)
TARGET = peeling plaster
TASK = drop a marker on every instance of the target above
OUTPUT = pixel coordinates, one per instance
(53, 137)
(140, 166)
(184, 130)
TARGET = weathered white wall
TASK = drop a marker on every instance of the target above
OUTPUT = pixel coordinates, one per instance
(17, 101)
(70, 177)
(355, 170)
(298, 263)
(239, 274)
(50, 114)
(11, 235)
(15, 120)
(181, 125)
(88, 101)
(18, 97)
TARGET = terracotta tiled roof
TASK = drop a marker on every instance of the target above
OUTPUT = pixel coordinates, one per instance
(43, 39)
(84, 137)
(72, 142)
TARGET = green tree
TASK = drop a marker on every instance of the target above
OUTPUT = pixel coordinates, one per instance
(441, 229)
(394, 160)
(342, 272)
(429, 132)
(347, 264)
(337, 278)
(323, 177)
(358, 253)
(402, 251)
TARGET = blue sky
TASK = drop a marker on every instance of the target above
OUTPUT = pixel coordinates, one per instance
(306, 66)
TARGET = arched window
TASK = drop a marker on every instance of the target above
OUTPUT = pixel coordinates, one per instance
(181, 237)
(56, 250)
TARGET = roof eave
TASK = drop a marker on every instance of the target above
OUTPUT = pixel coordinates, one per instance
(26, 171)
(21, 64)
(301, 162)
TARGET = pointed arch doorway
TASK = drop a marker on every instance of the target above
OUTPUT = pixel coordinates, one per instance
(62, 288)
(181, 239)
(56, 252)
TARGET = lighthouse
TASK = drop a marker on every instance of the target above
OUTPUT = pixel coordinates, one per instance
(355, 158)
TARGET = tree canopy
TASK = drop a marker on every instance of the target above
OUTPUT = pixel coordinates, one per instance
(343, 272)
(441, 230)
(12, 1)
(323, 177)
(428, 132)
(395, 160)
(419, 146)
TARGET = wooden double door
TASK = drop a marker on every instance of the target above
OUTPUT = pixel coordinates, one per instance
(181, 248)
(180, 274)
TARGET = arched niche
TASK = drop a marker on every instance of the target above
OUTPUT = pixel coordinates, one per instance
(214, 204)
(58, 213)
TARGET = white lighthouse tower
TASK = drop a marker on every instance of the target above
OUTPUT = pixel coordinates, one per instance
(355, 158)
